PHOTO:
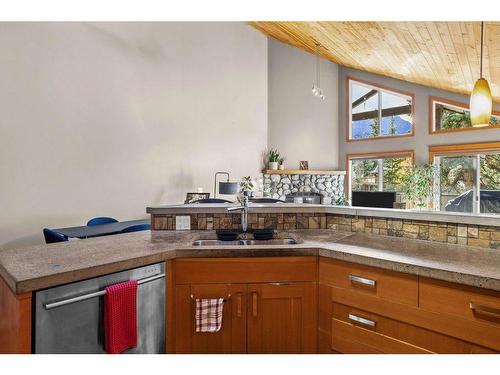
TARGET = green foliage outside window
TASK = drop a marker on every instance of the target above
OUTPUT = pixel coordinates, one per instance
(418, 183)
(490, 172)
(450, 119)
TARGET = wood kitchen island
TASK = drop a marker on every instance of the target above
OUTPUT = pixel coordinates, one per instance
(332, 292)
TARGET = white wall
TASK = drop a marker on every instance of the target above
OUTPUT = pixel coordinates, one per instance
(107, 118)
(302, 126)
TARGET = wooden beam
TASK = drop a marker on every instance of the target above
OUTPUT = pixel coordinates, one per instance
(364, 98)
(394, 111)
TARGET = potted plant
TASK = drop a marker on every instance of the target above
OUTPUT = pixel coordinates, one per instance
(273, 158)
(418, 185)
(281, 165)
(342, 201)
(246, 186)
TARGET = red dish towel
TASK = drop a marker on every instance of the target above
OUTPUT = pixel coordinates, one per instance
(209, 314)
(120, 317)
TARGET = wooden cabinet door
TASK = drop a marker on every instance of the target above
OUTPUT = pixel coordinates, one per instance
(282, 318)
(232, 336)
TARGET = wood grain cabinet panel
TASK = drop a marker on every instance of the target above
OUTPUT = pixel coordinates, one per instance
(258, 317)
(15, 321)
(409, 338)
(246, 270)
(232, 336)
(387, 285)
(282, 318)
(422, 315)
(475, 304)
(365, 341)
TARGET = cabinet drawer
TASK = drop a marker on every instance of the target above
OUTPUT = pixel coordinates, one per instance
(388, 285)
(245, 270)
(344, 341)
(479, 305)
(393, 336)
(349, 338)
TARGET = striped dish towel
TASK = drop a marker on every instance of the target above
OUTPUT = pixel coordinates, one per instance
(209, 314)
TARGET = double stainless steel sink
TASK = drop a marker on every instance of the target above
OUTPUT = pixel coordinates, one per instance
(275, 241)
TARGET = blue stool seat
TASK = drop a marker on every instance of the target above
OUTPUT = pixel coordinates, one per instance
(53, 237)
(101, 220)
(136, 228)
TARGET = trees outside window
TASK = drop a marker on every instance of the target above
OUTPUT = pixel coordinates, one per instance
(468, 182)
(453, 116)
(379, 172)
(376, 112)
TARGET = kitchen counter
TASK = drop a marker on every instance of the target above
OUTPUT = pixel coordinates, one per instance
(435, 216)
(43, 266)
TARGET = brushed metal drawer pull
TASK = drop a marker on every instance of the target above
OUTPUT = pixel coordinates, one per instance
(361, 320)
(362, 280)
(484, 309)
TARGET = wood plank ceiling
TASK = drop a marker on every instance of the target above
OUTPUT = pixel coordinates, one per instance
(444, 55)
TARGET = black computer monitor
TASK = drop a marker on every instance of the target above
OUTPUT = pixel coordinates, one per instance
(380, 199)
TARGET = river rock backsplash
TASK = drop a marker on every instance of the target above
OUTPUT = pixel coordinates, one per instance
(277, 186)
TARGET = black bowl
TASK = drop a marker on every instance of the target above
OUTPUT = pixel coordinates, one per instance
(263, 234)
(227, 234)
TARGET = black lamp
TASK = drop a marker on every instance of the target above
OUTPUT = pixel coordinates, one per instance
(225, 187)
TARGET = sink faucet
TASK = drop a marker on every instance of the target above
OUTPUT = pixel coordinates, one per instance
(244, 213)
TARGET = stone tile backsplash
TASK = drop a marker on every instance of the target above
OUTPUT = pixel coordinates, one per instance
(462, 234)
(279, 186)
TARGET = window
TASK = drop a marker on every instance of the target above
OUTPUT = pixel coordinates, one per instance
(377, 172)
(468, 178)
(448, 116)
(376, 112)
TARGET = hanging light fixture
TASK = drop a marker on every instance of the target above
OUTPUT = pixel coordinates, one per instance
(480, 99)
(316, 89)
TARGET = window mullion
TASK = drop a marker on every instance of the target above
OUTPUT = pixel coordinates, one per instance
(477, 185)
(437, 183)
(380, 163)
(379, 112)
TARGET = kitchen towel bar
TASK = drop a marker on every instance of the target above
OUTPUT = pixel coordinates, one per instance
(49, 306)
(224, 300)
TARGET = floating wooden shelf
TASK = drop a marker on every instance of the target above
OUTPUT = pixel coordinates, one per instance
(299, 171)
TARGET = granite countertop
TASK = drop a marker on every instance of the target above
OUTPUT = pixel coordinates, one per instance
(438, 216)
(43, 266)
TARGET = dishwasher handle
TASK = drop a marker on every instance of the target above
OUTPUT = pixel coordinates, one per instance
(53, 305)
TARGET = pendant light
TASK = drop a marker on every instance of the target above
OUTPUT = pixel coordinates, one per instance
(316, 89)
(480, 99)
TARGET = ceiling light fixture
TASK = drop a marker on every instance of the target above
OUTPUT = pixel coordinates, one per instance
(480, 99)
(316, 89)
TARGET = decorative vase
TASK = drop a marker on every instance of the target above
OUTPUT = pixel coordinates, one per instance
(273, 165)
(281, 167)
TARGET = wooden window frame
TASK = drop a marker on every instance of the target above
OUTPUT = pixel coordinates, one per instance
(373, 155)
(379, 87)
(432, 125)
(464, 149)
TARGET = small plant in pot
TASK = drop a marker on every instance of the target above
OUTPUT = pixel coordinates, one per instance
(342, 201)
(281, 165)
(246, 186)
(273, 159)
(418, 185)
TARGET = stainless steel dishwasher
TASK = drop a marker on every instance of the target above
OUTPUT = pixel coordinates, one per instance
(69, 318)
